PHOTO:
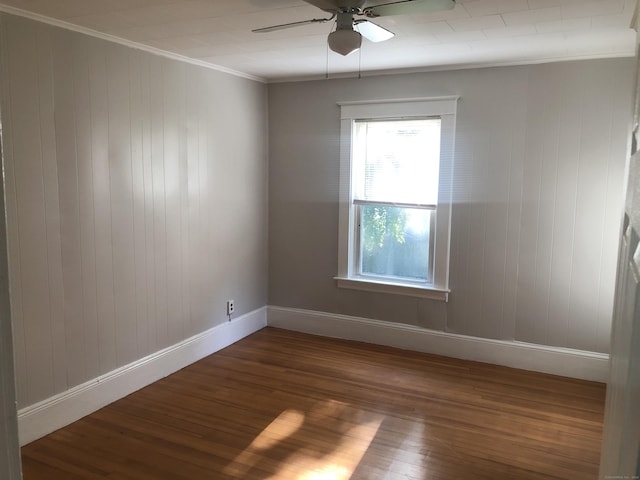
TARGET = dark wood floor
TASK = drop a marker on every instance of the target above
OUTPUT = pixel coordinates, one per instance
(283, 405)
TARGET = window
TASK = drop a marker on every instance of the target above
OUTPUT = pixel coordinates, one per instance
(395, 196)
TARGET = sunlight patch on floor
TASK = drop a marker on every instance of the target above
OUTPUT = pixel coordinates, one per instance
(329, 441)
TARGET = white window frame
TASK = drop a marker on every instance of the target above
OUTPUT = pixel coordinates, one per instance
(442, 107)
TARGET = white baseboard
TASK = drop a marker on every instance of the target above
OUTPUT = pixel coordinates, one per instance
(60, 410)
(538, 358)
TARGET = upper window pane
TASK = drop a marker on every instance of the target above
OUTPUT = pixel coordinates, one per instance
(397, 160)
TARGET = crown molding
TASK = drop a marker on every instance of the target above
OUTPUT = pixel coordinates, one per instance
(127, 43)
(447, 68)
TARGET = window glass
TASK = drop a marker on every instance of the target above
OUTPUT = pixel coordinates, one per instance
(397, 160)
(395, 183)
(395, 242)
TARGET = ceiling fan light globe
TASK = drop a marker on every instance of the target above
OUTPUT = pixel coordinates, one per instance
(345, 42)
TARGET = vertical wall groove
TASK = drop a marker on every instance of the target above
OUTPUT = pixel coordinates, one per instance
(48, 263)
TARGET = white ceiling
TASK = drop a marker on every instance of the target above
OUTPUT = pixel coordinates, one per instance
(475, 33)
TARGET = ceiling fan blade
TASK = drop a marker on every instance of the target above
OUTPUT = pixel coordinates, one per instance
(404, 7)
(292, 24)
(373, 32)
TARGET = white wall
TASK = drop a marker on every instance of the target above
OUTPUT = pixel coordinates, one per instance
(539, 160)
(136, 202)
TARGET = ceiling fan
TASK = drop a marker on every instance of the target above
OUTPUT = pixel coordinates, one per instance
(352, 19)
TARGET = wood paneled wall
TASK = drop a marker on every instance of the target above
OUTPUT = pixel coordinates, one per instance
(577, 133)
(136, 202)
(538, 180)
(10, 468)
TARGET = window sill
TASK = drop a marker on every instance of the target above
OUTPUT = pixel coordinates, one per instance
(379, 286)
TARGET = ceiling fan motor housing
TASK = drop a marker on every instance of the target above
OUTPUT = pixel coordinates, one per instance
(345, 5)
(344, 21)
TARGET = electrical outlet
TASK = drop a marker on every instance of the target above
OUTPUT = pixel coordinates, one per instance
(231, 307)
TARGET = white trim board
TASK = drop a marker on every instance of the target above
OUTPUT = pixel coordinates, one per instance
(60, 410)
(538, 358)
(451, 67)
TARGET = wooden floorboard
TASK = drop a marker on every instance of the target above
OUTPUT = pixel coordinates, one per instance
(284, 405)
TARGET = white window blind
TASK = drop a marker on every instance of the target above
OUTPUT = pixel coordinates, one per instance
(397, 161)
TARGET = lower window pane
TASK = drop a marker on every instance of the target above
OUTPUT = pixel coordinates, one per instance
(395, 242)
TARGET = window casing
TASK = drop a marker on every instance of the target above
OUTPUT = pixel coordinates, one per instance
(395, 206)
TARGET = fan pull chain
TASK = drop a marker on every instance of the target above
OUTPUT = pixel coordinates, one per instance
(326, 75)
(359, 63)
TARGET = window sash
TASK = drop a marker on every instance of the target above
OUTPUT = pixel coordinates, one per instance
(357, 242)
(422, 206)
(424, 156)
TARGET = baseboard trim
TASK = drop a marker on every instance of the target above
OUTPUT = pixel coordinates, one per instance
(60, 410)
(539, 358)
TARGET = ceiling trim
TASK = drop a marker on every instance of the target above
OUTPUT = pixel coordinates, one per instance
(127, 43)
(449, 68)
